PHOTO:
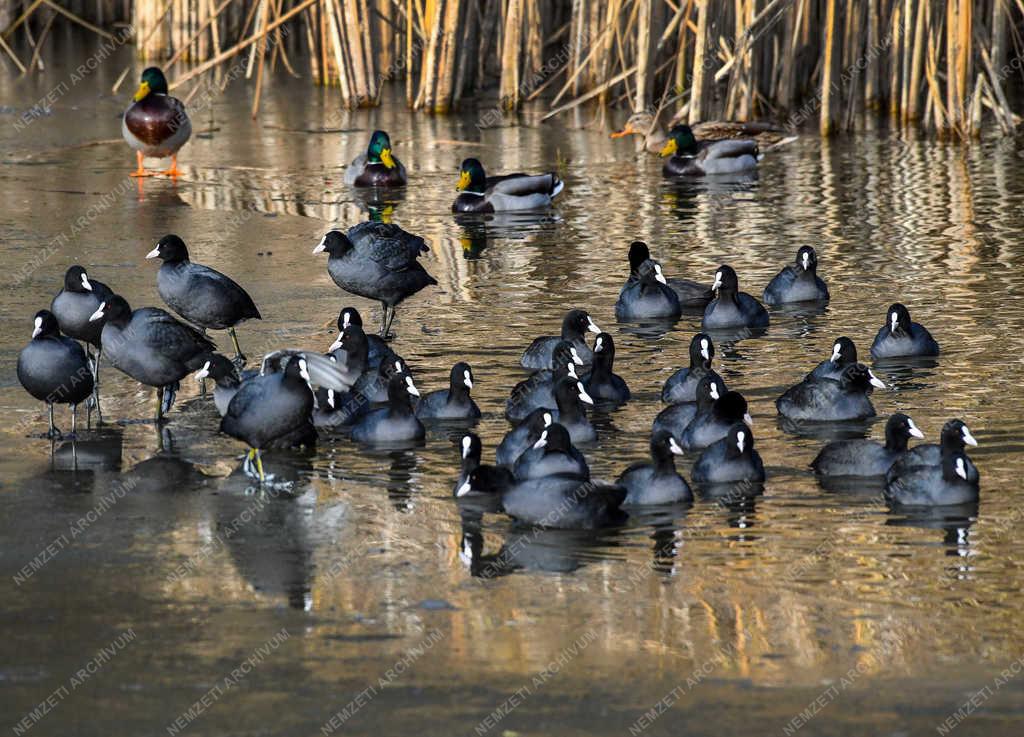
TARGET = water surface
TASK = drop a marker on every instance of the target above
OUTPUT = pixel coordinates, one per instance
(364, 596)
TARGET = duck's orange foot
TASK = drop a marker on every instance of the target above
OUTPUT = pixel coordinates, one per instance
(173, 171)
(141, 170)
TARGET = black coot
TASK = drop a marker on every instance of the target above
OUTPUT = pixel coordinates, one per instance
(569, 503)
(538, 390)
(603, 385)
(647, 296)
(55, 369)
(675, 419)
(690, 294)
(199, 294)
(711, 425)
(861, 457)
(151, 347)
(476, 478)
(955, 436)
(377, 348)
(270, 408)
(522, 437)
(377, 261)
(730, 460)
(954, 481)
(797, 282)
(657, 482)
(552, 455)
(395, 423)
(74, 305)
(901, 337)
(732, 308)
(844, 354)
(575, 325)
(828, 400)
(682, 385)
(571, 397)
(453, 403)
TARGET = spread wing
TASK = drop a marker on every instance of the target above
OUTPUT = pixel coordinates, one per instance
(323, 371)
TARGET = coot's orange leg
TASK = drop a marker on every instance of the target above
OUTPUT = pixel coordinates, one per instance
(173, 171)
(141, 171)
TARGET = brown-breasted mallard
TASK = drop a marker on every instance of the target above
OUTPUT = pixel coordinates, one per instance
(378, 167)
(481, 193)
(155, 124)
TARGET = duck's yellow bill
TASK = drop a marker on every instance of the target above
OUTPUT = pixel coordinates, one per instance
(624, 132)
(142, 92)
(669, 148)
(387, 158)
(463, 181)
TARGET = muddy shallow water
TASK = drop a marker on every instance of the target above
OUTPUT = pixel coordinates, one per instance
(164, 592)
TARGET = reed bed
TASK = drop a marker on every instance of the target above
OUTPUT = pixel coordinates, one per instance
(946, 66)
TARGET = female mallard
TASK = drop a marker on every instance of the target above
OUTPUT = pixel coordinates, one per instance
(767, 135)
(155, 124)
(693, 158)
(481, 193)
(378, 167)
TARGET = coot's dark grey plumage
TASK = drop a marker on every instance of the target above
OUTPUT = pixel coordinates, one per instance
(271, 407)
(657, 482)
(151, 347)
(453, 403)
(395, 423)
(844, 354)
(690, 294)
(552, 455)
(522, 437)
(861, 457)
(539, 389)
(199, 294)
(828, 400)
(711, 425)
(476, 478)
(676, 418)
(797, 282)
(730, 460)
(569, 503)
(682, 385)
(604, 385)
(955, 436)
(647, 296)
(901, 337)
(575, 325)
(377, 261)
(732, 308)
(954, 481)
(54, 369)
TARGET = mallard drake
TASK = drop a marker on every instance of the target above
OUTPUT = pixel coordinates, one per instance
(481, 193)
(767, 135)
(378, 167)
(155, 124)
(692, 158)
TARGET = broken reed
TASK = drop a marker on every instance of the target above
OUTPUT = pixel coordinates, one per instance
(936, 64)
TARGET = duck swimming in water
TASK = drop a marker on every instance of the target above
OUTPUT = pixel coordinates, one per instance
(481, 193)
(378, 167)
(688, 157)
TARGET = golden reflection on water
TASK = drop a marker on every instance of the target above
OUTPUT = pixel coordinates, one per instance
(790, 590)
